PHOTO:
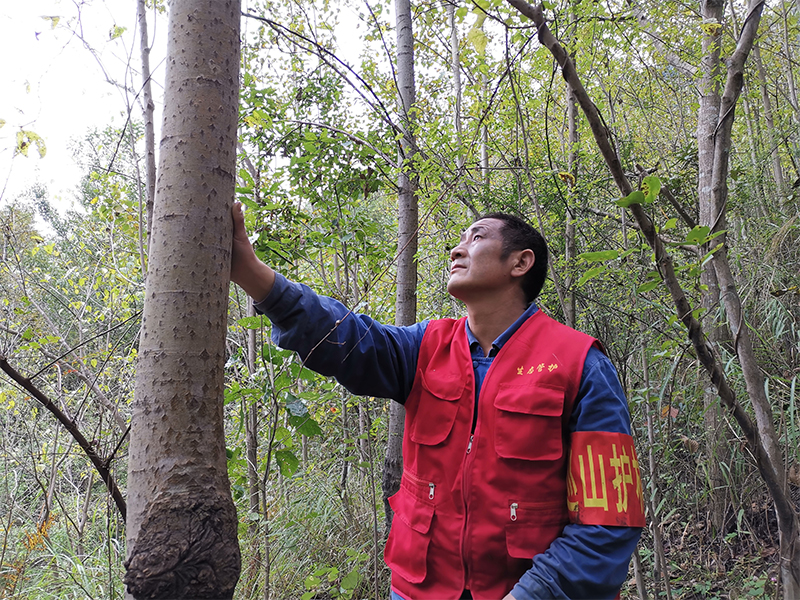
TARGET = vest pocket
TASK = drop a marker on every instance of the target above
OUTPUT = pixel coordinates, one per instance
(406, 550)
(535, 526)
(528, 422)
(438, 407)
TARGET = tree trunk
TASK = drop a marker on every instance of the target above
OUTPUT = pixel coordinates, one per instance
(777, 169)
(251, 426)
(149, 128)
(570, 247)
(787, 53)
(182, 524)
(455, 66)
(708, 114)
(406, 302)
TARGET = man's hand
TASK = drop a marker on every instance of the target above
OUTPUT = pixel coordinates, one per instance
(508, 596)
(249, 273)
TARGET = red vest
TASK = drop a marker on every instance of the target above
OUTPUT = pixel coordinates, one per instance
(473, 509)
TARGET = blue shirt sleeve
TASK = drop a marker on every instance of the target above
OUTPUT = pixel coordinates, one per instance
(366, 357)
(587, 561)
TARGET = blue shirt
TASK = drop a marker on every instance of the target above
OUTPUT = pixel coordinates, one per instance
(371, 359)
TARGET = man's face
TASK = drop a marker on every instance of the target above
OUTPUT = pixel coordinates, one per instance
(477, 268)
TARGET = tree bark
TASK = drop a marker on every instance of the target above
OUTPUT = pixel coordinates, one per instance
(708, 113)
(408, 216)
(182, 524)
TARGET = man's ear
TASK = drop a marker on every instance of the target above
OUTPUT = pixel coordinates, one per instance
(523, 263)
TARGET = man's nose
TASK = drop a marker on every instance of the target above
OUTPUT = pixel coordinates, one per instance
(456, 252)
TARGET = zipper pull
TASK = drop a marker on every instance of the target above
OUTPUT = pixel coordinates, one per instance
(469, 446)
(514, 511)
(432, 487)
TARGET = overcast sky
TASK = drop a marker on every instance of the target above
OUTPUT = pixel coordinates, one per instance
(54, 85)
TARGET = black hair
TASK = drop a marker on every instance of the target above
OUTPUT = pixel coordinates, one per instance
(519, 235)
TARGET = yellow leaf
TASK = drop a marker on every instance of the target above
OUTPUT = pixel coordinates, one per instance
(27, 138)
(2, 122)
(712, 28)
(567, 177)
(478, 39)
(22, 144)
(669, 411)
(53, 21)
(116, 32)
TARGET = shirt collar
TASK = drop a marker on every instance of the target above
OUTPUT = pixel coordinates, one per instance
(475, 347)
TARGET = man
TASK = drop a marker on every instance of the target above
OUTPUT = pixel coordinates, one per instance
(520, 479)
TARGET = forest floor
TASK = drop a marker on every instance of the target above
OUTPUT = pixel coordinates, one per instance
(740, 563)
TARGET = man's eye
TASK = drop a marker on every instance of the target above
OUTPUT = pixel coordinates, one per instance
(477, 236)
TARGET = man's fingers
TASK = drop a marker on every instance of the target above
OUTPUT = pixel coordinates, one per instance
(237, 212)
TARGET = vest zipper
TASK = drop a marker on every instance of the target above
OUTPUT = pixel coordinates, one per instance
(421, 482)
(514, 506)
(465, 542)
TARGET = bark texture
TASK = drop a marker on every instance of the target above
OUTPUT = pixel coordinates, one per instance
(182, 525)
(149, 109)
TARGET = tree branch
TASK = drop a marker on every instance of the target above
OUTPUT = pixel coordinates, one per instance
(99, 463)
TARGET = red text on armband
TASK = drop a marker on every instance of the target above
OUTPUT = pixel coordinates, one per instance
(603, 482)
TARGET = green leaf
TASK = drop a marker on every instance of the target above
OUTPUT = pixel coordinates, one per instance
(709, 255)
(462, 12)
(651, 186)
(636, 197)
(698, 235)
(599, 256)
(287, 462)
(646, 287)
(295, 406)
(27, 335)
(351, 580)
(312, 581)
(671, 224)
(251, 322)
(591, 274)
(284, 436)
(306, 426)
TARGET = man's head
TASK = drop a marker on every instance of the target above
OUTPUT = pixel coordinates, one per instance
(495, 246)
(519, 235)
